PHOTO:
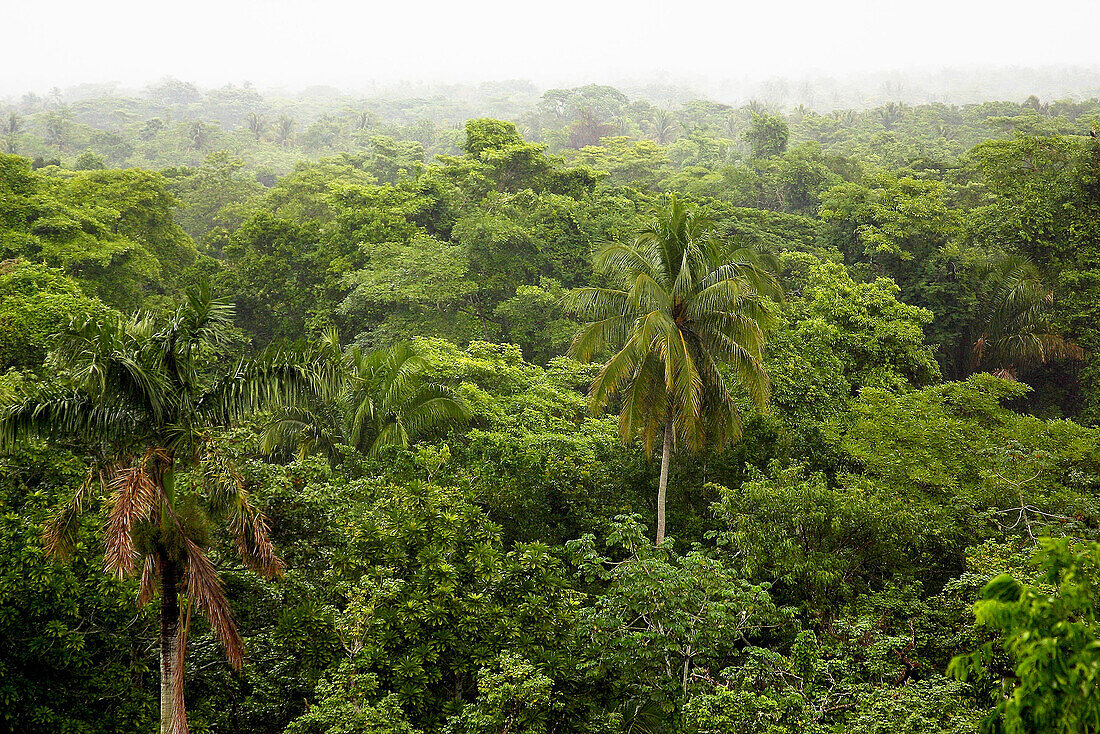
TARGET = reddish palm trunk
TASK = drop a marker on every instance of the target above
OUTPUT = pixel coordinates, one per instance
(169, 625)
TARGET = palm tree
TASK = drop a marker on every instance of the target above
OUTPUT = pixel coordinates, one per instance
(663, 127)
(679, 309)
(256, 124)
(362, 400)
(284, 126)
(135, 393)
(1016, 330)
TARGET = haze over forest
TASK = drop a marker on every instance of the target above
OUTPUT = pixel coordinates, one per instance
(561, 368)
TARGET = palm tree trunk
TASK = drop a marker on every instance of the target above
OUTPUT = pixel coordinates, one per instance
(666, 455)
(169, 624)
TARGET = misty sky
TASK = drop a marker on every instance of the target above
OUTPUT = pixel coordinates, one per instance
(357, 44)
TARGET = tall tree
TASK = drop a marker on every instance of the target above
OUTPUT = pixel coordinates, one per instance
(11, 129)
(767, 135)
(680, 311)
(139, 394)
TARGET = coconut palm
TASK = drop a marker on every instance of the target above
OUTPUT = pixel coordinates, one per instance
(1016, 331)
(681, 312)
(362, 400)
(137, 394)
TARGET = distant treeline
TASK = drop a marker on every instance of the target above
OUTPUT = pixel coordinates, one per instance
(175, 123)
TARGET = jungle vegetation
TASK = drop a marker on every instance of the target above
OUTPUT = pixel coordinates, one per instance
(547, 413)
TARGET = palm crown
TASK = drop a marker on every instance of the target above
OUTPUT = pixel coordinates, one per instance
(136, 392)
(1016, 330)
(679, 311)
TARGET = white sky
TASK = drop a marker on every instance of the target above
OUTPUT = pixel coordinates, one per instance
(355, 44)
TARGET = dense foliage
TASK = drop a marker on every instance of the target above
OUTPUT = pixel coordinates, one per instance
(874, 329)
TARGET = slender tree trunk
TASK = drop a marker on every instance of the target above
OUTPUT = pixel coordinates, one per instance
(169, 624)
(666, 455)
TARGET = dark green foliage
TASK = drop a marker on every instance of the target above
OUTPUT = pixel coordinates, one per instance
(74, 657)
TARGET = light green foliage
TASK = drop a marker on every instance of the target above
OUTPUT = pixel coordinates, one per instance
(905, 228)
(818, 542)
(38, 220)
(216, 194)
(625, 162)
(37, 302)
(137, 205)
(432, 597)
(1051, 633)
(424, 281)
(767, 135)
(512, 696)
(863, 328)
(395, 160)
(956, 441)
(542, 465)
(888, 221)
(89, 161)
(664, 618)
(934, 705)
(497, 157)
(341, 709)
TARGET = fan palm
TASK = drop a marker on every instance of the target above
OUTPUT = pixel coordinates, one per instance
(679, 309)
(363, 400)
(135, 392)
(1016, 333)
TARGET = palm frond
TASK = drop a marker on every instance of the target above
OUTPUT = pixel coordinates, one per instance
(597, 303)
(58, 412)
(683, 303)
(204, 589)
(283, 374)
(617, 370)
(135, 492)
(435, 406)
(597, 335)
(616, 258)
(229, 497)
(645, 403)
(59, 532)
(253, 534)
(392, 433)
